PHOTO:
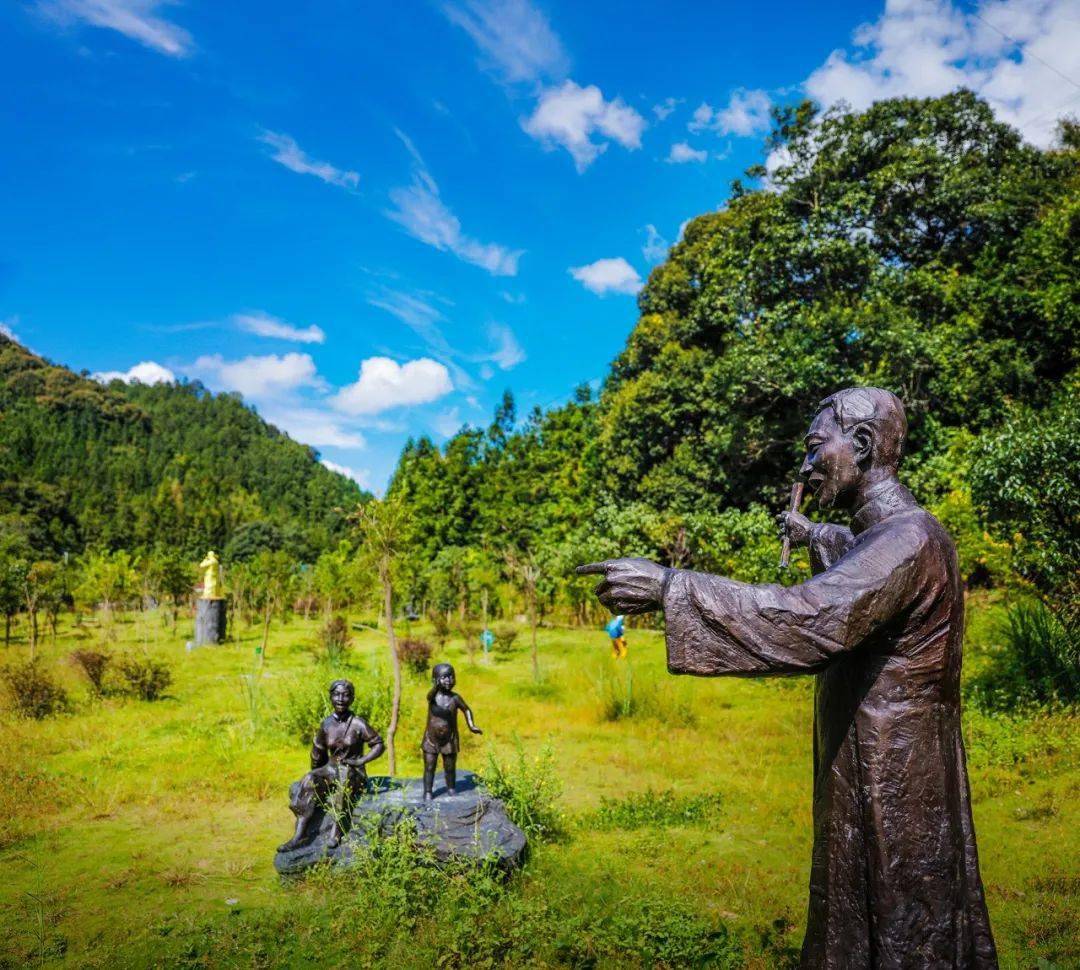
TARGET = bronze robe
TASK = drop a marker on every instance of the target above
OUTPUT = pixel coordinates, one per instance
(894, 878)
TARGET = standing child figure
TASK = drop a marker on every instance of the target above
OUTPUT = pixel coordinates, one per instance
(441, 733)
(616, 629)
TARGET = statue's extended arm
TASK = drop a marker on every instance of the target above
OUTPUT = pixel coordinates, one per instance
(716, 626)
(467, 711)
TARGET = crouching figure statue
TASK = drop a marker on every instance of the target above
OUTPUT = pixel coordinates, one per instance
(338, 773)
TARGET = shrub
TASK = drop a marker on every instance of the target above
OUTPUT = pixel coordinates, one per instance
(530, 790)
(415, 654)
(144, 677)
(505, 635)
(334, 638)
(1039, 664)
(649, 809)
(33, 691)
(93, 664)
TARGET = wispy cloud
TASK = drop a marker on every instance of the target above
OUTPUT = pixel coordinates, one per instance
(136, 19)
(264, 325)
(145, 372)
(383, 384)
(746, 114)
(569, 116)
(508, 352)
(448, 422)
(608, 276)
(314, 424)
(681, 153)
(361, 476)
(7, 328)
(656, 246)
(419, 209)
(665, 108)
(288, 153)
(516, 41)
(1023, 56)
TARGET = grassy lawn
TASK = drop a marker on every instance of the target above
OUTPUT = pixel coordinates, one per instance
(140, 834)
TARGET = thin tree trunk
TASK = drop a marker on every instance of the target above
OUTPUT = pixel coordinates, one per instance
(395, 660)
(267, 613)
(7, 630)
(532, 619)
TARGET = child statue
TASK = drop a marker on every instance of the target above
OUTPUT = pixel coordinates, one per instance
(441, 733)
(338, 772)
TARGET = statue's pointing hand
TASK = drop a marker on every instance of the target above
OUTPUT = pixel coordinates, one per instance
(629, 586)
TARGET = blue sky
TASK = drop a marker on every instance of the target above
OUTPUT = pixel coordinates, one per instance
(371, 219)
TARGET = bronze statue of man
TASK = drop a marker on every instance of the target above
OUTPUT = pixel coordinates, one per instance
(894, 879)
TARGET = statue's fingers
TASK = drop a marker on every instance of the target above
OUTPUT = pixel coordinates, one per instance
(593, 568)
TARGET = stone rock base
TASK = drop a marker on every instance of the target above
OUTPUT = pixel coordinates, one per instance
(470, 824)
(210, 621)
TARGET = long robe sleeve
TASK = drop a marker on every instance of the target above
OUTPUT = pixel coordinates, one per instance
(827, 544)
(717, 626)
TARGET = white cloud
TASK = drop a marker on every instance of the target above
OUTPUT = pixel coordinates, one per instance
(384, 383)
(512, 298)
(1022, 56)
(656, 246)
(515, 39)
(263, 325)
(288, 153)
(145, 372)
(569, 115)
(508, 352)
(136, 19)
(258, 377)
(359, 475)
(747, 113)
(447, 423)
(608, 276)
(421, 212)
(666, 107)
(681, 152)
(7, 328)
(315, 426)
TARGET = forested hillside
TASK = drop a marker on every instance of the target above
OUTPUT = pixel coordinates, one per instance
(135, 467)
(920, 245)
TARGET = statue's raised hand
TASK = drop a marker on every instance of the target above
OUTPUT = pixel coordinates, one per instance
(629, 585)
(794, 526)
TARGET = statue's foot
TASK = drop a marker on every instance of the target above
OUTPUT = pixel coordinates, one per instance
(293, 843)
(427, 796)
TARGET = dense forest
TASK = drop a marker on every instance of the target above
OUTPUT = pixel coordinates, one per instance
(134, 467)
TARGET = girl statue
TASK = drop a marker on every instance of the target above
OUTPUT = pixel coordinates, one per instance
(441, 733)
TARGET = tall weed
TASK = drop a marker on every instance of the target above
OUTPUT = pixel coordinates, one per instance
(529, 787)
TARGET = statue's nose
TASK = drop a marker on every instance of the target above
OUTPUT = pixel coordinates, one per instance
(807, 468)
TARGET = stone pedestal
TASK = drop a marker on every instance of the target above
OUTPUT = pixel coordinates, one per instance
(210, 619)
(469, 825)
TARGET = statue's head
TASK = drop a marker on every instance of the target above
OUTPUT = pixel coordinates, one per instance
(342, 694)
(442, 675)
(857, 431)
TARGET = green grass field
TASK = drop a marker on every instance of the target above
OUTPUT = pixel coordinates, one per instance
(141, 834)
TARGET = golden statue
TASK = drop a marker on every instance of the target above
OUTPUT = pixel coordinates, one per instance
(211, 567)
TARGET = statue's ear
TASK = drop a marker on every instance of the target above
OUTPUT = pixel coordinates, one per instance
(863, 443)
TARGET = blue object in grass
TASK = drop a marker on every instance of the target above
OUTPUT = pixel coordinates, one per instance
(615, 627)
